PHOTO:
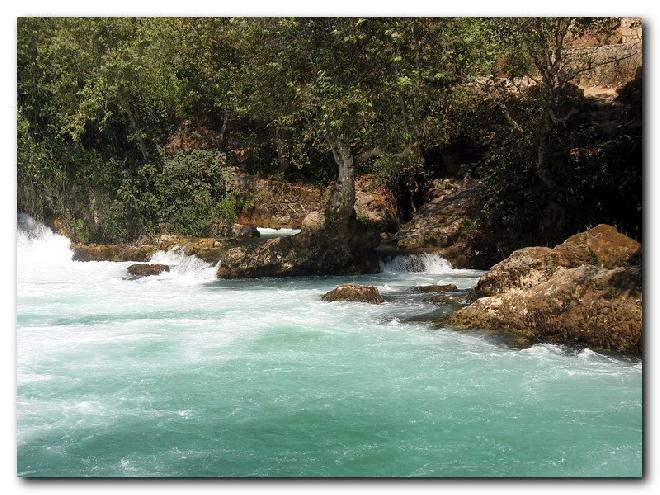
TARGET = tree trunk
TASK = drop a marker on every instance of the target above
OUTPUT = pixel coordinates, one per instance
(136, 133)
(340, 211)
(542, 168)
(223, 129)
(554, 215)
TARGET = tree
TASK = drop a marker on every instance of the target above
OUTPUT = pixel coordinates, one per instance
(359, 89)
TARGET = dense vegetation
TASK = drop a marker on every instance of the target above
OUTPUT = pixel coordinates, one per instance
(125, 125)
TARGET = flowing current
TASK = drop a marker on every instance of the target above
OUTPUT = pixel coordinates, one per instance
(186, 375)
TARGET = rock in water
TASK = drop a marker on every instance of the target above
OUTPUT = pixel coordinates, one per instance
(147, 269)
(354, 292)
(573, 294)
(600, 246)
(308, 253)
(435, 288)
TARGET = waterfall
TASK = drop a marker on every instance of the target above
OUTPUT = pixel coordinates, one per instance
(425, 263)
(38, 244)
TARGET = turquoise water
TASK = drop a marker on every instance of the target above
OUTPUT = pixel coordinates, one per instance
(185, 375)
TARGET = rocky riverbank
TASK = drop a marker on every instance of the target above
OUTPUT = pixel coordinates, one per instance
(584, 292)
(205, 248)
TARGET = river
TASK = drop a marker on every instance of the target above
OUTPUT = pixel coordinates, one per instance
(186, 375)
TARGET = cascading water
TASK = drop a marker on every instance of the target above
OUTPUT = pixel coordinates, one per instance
(182, 374)
(427, 263)
(36, 244)
(184, 267)
(269, 233)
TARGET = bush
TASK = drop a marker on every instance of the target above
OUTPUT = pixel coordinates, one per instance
(193, 194)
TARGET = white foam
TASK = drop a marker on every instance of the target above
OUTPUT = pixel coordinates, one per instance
(417, 263)
(269, 233)
(184, 268)
(36, 244)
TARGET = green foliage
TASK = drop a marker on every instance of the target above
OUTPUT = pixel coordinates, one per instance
(99, 100)
(230, 208)
(192, 194)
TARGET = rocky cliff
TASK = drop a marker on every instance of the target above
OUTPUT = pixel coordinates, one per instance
(277, 204)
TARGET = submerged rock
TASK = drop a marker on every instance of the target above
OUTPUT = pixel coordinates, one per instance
(435, 288)
(573, 294)
(147, 269)
(354, 292)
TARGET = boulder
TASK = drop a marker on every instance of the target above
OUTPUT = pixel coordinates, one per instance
(586, 291)
(354, 292)
(146, 269)
(600, 246)
(308, 253)
(589, 306)
(435, 288)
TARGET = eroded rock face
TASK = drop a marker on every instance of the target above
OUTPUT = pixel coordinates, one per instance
(147, 269)
(443, 223)
(113, 252)
(308, 253)
(375, 204)
(354, 292)
(573, 294)
(278, 204)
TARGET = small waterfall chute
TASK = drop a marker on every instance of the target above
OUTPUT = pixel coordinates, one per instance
(417, 263)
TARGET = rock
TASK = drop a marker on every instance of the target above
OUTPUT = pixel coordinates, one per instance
(572, 294)
(239, 230)
(600, 246)
(313, 221)
(113, 252)
(586, 306)
(354, 292)
(443, 224)
(146, 270)
(435, 288)
(278, 204)
(308, 253)
(451, 299)
(206, 249)
(375, 204)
